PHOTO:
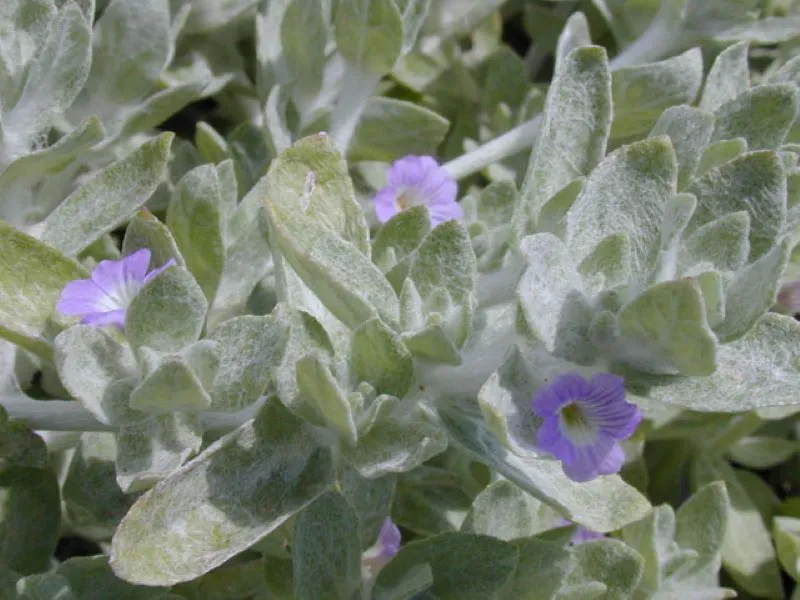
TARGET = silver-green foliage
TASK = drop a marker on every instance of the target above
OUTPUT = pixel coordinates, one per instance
(302, 373)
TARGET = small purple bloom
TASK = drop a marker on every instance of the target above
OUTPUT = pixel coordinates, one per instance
(583, 423)
(582, 534)
(104, 299)
(789, 299)
(417, 180)
(385, 548)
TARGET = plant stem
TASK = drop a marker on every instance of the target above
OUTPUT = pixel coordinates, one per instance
(508, 144)
(67, 415)
(52, 415)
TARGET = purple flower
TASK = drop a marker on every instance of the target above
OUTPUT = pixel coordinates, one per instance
(104, 299)
(385, 548)
(417, 180)
(789, 299)
(582, 534)
(583, 423)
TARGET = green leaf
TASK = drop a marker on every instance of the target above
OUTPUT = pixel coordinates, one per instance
(108, 199)
(307, 337)
(32, 276)
(689, 129)
(754, 182)
(160, 106)
(369, 34)
(326, 553)
(665, 331)
(626, 193)
(604, 504)
(93, 502)
(44, 586)
(413, 583)
(53, 78)
(30, 504)
(641, 93)
(173, 385)
(718, 153)
(371, 499)
(701, 525)
(146, 231)
(549, 278)
(575, 127)
(390, 129)
(400, 236)
(90, 578)
(240, 489)
(762, 115)
(211, 16)
(150, 449)
(195, 218)
(380, 358)
(505, 404)
(18, 180)
(724, 243)
(464, 567)
(756, 371)
(250, 154)
(90, 363)
(394, 446)
(542, 568)
(251, 348)
(131, 47)
(553, 218)
(786, 532)
(763, 452)
(752, 292)
(210, 143)
(335, 269)
(609, 562)
(729, 77)
(168, 313)
(304, 35)
(712, 287)
(502, 510)
(677, 214)
(248, 257)
(747, 552)
(505, 82)
(445, 259)
(317, 383)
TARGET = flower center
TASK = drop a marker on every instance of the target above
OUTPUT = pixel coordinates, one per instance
(123, 295)
(406, 198)
(577, 425)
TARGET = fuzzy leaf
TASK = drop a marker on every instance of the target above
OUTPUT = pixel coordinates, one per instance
(390, 129)
(216, 505)
(464, 567)
(195, 217)
(753, 372)
(572, 139)
(325, 550)
(32, 276)
(108, 199)
(168, 313)
(369, 33)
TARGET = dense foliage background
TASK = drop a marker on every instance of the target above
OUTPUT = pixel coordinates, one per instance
(629, 177)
